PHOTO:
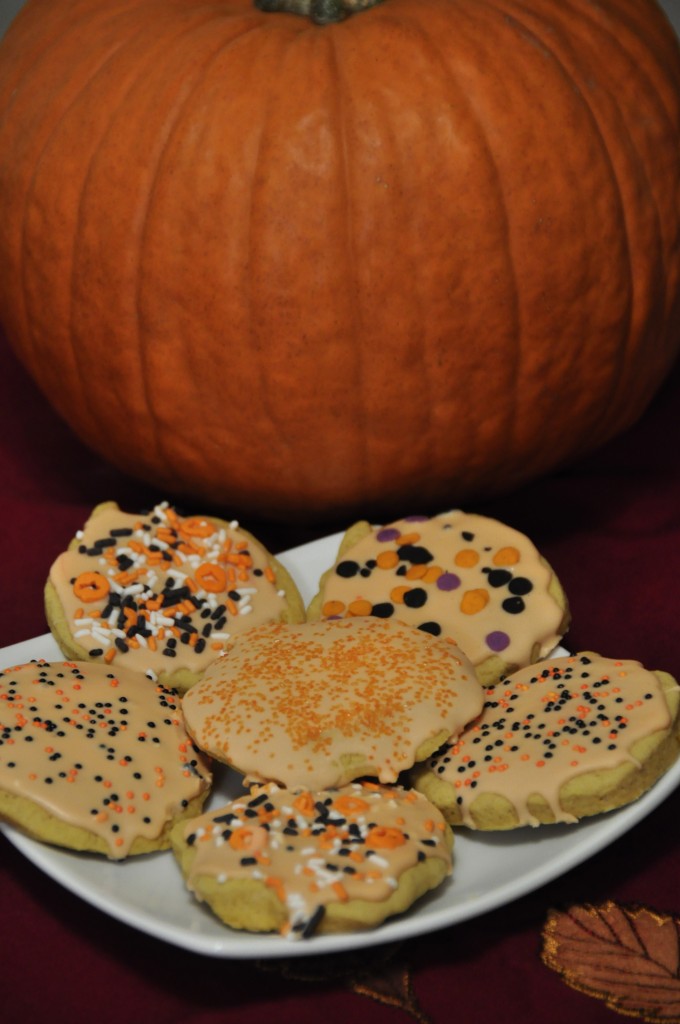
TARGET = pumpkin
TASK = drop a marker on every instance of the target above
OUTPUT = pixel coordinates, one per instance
(416, 256)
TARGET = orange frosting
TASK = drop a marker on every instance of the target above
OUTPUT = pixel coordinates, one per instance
(455, 575)
(317, 848)
(103, 750)
(162, 591)
(292, 703)
(544, 725)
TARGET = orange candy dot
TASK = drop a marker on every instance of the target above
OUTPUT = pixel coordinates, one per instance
(397, 594)
(359, 607)
(387, 560)
(432, 574)
(466, 559)
(304, 803)
(381, 837)
(251, 839)
(332, 608)
(416, 572)
(474, 601)
(506, 556)
(90, 586)
(211, 577)
(197, 527)
(350, 805)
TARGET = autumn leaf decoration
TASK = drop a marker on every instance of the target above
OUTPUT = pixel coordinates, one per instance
(629, 957)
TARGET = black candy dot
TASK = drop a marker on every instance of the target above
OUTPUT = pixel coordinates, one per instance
(498, 577)
(520, 586)
(415, 554)
(347, 569)
(415, 598)
(513, 605)
(431, 627)
(383, 610)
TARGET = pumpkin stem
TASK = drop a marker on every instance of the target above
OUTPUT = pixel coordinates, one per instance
(321, 12)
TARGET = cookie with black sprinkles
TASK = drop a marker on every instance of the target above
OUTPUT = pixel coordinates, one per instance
(163, 591)
(303, 862)
(96, 760)
(556, 742)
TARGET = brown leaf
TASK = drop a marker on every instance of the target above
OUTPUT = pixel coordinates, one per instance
(627, 956)
(392, 987)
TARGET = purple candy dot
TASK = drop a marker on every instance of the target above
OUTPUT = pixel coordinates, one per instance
(497, 641)
(389, 533)
(448, 581)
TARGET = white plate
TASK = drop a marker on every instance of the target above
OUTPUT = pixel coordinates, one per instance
(489, 869)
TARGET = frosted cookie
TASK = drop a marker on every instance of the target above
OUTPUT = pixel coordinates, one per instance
(453, 575)
(95, 760)
(560, 741)
(301, 862)
(320, 704)
(163, 591)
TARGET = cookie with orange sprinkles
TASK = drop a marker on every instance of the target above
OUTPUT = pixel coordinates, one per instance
(455, 575)
(556, 742)
(96, 760)
(321, 704)
(302, 862)
(162, 591)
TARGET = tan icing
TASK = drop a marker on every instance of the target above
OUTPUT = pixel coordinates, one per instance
(575, 703)
(319, 704)
(382, 831)
(472, 612)
(241, 564)
(91, 730)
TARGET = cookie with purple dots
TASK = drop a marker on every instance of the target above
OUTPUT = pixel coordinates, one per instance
(456, 575)
(163, 591)
(556, 742)
(95, 760)
(303, 862)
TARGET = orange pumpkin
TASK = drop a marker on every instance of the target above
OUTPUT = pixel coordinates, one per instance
(415, 257)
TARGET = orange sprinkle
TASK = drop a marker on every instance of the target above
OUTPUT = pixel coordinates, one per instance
(340, 891)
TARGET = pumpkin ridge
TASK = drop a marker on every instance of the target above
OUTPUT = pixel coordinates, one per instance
(30, 356)
(254, 337)
(571, 74)
(78, 230)
(616, 40)
(512, 249)
(617, 381)
(508, 436)
(147, 343)
(350, 248)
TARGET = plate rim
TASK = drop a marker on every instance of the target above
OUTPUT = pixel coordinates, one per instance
(596, 833)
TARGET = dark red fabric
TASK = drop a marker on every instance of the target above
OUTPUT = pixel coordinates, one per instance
(610, 525)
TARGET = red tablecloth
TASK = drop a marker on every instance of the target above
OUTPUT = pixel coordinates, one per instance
(610, 525)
